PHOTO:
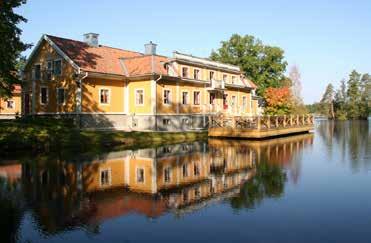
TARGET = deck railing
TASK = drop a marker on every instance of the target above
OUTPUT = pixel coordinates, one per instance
(260, 122)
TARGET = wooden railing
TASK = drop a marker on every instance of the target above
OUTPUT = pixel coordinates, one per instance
(260, 122)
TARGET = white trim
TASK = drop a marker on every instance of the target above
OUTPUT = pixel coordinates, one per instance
(135, 97)
(136, 175)
(53, 68)
(181, 98)
(170, 174)
(14, 105)
(64, 96)
(199, 72)
(193, 101)
(47, 95)
(109, 176)
(163, 96)
(181, 74)
(108, 99)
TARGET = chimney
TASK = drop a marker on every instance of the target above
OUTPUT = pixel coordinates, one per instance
(150, 48)
(91, 39)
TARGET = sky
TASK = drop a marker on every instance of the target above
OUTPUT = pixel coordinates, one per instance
(325, 39)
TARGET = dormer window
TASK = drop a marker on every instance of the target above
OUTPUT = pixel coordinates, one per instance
(233, 79)
(185, 72)
(211, 77)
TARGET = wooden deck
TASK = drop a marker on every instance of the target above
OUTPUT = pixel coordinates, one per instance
(259, 126)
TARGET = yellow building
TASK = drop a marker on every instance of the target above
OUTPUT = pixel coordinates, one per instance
(107, 87)
(11, 107)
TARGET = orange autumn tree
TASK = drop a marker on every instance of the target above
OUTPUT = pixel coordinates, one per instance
(279, 101)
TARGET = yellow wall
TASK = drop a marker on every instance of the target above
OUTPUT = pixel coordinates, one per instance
(147, 165)
(91, 174)
(91, 95)
(46, 53)
(146, 87)
(17, 102)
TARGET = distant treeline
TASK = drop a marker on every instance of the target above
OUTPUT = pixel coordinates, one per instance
(350, 101)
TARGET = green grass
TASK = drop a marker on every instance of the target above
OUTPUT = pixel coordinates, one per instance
(49, 134)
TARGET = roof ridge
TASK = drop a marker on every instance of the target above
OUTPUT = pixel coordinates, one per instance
(99, 45)
(143, 56)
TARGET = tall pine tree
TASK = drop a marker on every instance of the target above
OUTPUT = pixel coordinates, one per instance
(354, 95)
(11, 45)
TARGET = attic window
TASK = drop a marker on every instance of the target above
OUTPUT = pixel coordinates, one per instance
(185, 72)
(57, 67)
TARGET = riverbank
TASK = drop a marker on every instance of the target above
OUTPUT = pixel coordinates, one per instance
(44, 135)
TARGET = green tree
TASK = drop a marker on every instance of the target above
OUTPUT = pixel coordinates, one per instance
(261, 63)
(340, 101)
(11, 44)
(364, 108)
(354, 95)
(327, 102)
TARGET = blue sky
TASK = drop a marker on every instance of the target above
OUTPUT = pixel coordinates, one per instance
(326, 39)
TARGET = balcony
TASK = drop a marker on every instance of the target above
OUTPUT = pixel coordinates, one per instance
(217, 85)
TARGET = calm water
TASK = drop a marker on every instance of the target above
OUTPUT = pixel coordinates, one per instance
(305, 188)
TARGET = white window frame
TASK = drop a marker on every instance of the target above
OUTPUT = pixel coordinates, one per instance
(226, 77)
(187, 75)
(34, 71)
(136, 175)
(211, 78)
(185, 91)
(198, 74)
(233, 79)
(7, 104)
(135, 97)
(170, 173)
(47, 95)
(233, 101)
(109, 96)
(109, 177)
(51, 62)
(64, 96)
(61, 71)
(163, 97)
(199, 91)
(244, 105)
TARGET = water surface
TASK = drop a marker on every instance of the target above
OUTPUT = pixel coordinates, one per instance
(303, 188)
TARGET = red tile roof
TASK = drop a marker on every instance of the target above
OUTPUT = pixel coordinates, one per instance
(104, 59)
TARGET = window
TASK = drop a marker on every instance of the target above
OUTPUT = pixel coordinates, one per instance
(196, 98)
(167, 174)
(104, 96)
(225, 77)
(184, 170)
(197, 192)
(233, 79)
(185, 98)
(212, 98)
(233, 101)
(185, 121)
(196, 74)
(196, 170)
(244, 103)
(43, 95)
(139, 97)
(140, 175)
(211, 77)
(57, 67)
(37, 72)
(184, 72)
(60, 95)
(167, 98)
(49, 70)
(165, 121)
(10, 104)
(105, 177)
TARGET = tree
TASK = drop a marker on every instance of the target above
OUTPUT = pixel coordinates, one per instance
(278, 101)
(295, 78)
(327, 102)
(364, 108)
(340, 102)
(354, 93)
(263, 64)
(11, 44)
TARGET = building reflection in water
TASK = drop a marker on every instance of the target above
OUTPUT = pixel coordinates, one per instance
(177, 179)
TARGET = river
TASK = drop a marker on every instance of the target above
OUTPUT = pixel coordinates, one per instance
(312, 187)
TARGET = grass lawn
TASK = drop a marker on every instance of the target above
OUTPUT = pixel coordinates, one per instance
(49, 134)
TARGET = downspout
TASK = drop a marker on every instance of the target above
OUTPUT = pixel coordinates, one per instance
(79, 95)
(155, 111)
